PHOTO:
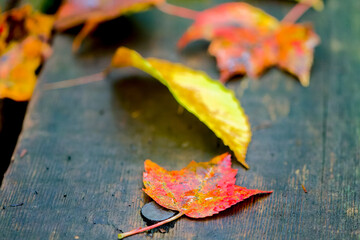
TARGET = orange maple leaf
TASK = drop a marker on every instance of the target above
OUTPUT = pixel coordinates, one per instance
(90, 13)
(246, 40)
(19, 23)
(197, 191)
(18, 66)
(23, 48)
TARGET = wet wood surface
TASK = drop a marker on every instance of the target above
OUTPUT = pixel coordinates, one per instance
(85, 146)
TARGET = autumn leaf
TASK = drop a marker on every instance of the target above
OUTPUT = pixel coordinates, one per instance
(92, 13)
(197, 191)
(23, 47)
(246, 40)
(19, 23)
(295, 52)
(18, 66)
(207, 99)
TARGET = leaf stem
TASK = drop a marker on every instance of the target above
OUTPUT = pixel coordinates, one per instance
(74, 82)
(296, 12)
(139, 230)
(177, 11)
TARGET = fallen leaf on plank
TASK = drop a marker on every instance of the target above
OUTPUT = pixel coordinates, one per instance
(197, 191)
(210, 101)
(18, 66)
(246, 40)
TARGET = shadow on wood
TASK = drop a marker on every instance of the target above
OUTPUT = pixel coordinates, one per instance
(11, 119)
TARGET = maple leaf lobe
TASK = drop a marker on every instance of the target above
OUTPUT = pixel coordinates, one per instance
(296, 49)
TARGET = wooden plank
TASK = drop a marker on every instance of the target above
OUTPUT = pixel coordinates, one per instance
(86, 145)
(341, 163)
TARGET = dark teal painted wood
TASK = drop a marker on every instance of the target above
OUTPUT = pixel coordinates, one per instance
(87, 144)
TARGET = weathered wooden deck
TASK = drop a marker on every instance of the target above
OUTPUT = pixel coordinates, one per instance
(82, 174)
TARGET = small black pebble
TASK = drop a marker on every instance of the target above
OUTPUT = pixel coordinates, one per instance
(69, 158)
(113, 195)
(3, 207)
(155, 213)
(36, 193)
(65, 195)
(129, 205)
(47, 168)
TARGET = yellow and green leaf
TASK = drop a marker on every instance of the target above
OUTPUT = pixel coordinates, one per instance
(207, 99)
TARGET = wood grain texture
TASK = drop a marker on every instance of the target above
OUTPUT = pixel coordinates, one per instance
(82, 174)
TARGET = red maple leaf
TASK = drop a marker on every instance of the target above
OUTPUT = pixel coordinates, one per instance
(197, 191)
(92, 13)
(246, 40)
